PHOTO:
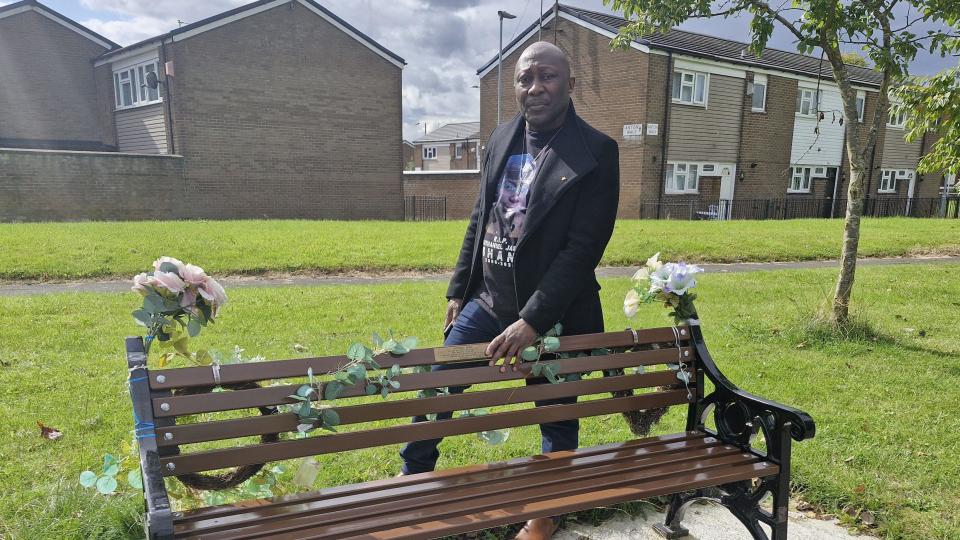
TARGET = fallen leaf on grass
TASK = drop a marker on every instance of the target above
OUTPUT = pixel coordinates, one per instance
(859, 489)
(848, 460)
(866, 517)
(804, 506)
(48, 432)
(802, 345)
(299, 348)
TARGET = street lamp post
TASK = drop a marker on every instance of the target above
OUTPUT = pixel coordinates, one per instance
(503, 15)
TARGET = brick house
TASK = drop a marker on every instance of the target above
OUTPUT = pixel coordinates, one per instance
(450, 147)
(271, 109)
(707, 129)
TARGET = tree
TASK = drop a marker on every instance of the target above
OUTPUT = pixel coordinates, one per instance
(872, 25)
(934, 105)
(854, 59)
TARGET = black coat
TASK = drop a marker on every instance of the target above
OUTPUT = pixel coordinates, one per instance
(570, 217)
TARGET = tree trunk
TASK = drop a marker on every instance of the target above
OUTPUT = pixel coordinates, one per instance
(851, 240)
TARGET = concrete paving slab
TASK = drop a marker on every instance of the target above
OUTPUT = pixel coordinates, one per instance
(704, 521)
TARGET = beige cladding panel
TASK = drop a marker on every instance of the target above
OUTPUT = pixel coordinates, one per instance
(897, 152)
(708, 134)
(142, 130)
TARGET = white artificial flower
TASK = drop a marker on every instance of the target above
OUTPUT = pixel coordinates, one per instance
(631, 304)
(642, 274)
(681, 278)
(653, 263)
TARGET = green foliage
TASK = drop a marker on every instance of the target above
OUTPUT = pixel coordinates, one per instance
(106, 481)
(933, 104)
(492, 437)
(362, 370)
(853, 59)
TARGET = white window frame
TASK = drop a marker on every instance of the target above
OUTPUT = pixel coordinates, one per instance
(458, 150)
(429, 152)
(135, 75)
(818, 171)
(896, 120)
(861, 104)
(690, 185)
(677, 90)
(759, 81)
(888, 181)
(801, 179)
(814, 99)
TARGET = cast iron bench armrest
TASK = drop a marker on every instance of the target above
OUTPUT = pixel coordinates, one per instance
(739, 414)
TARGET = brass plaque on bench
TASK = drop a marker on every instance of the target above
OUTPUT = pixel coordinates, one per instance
(459, 353)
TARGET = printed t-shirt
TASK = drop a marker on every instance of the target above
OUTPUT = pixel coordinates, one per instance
(505, 221)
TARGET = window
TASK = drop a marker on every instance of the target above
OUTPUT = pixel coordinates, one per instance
(690, 87)
(458, 150)
(130, 85)
(888, 181)
(861, 104)
(759, 93)
(819, 172)
(682, 178)
(806, 104)
(429, 152)
(897, 116)
(800, 181)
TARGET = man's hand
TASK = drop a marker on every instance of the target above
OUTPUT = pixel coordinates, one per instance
(453, 309)
(508, 345)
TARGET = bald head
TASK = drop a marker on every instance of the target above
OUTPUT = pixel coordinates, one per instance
(543, 83)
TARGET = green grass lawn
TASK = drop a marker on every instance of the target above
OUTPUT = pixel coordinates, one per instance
(888, 428)
(101, 249)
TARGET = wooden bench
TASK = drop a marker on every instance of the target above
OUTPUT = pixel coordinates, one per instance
(701, 462)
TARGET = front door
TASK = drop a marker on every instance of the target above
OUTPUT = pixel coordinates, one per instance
(727, 176)
(912, 186)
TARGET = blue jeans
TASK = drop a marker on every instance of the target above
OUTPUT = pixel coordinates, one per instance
(476, 325)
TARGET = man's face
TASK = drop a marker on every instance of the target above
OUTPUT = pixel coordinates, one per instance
(543, 86)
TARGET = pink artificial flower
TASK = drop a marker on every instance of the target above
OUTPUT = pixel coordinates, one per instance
(169, 281)
(140, 283)
(189, 297)
(194, 275)
(213, 293)
(176, 262)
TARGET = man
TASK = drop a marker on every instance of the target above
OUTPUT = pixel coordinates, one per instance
(548, 201)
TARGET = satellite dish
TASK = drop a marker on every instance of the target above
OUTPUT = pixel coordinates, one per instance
(152, 80)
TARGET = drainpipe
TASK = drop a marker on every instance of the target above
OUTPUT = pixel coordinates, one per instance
(166, 91)
(839, 174)
(667, 101)
(739, 165)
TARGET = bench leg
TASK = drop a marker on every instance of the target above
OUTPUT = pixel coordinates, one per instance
(672, 525)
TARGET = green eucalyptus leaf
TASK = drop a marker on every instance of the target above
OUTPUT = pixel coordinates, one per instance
(384, 392)
(356, 352)
(377, 340)
(135, 479)
(330, 417)
(389, 344)
(395, 384)
(304, 409)
(305, 391)
(537, 369)
(106, 485)
(306, 428)
(409, 342)
(371, 389)
(494, 438)
(88, 479)
(551, 343)
(395, 370)
(332, 390)
(112, 469)
(530, 354)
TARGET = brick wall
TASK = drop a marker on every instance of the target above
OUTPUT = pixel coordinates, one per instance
(47, 86)
(50, 185)
(468, 157)
(608, 94)
(460, 190)
(766, 143)
(281, 114)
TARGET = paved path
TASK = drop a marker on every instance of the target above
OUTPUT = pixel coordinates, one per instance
(109, 286)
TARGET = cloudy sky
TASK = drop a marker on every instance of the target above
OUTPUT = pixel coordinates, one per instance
(443, 41)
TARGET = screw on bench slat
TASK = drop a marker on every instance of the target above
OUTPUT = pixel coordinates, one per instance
(164, 407)
(171, 466)
(161, 379)
(168, 436)
(686, 353)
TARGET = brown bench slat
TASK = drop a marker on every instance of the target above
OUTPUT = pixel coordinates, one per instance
(339, 442)
(430, 492)
(455, 476)
(276, 395)
(281, 369)
(507, 494)
(355, 414)
(495, 516)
